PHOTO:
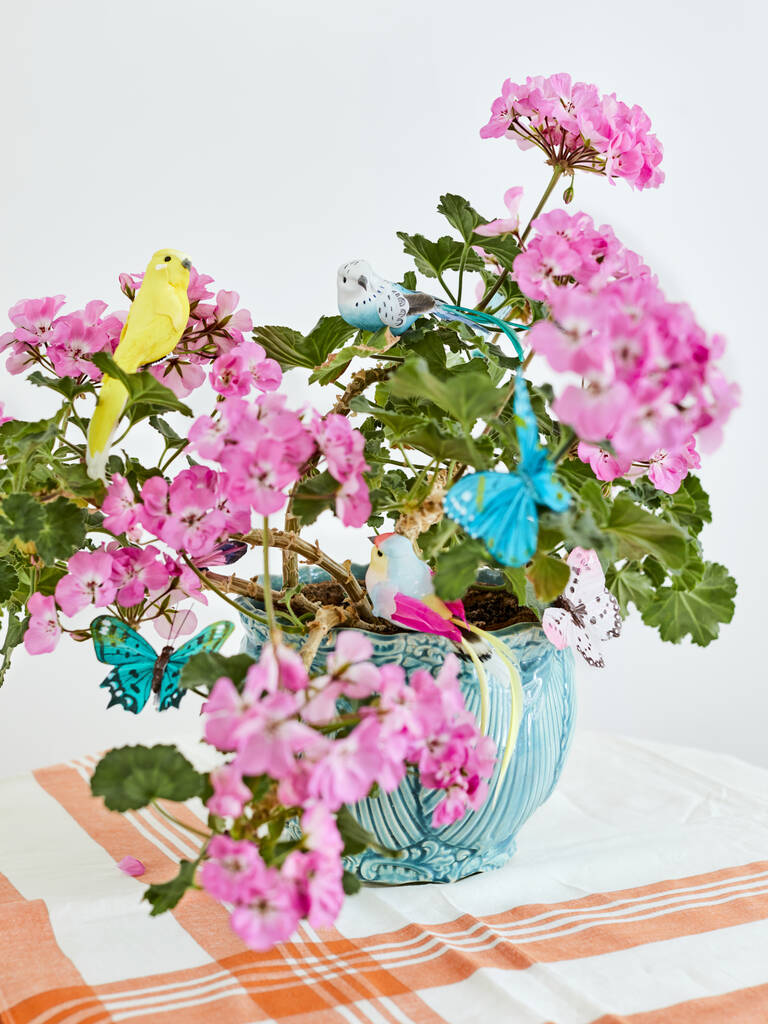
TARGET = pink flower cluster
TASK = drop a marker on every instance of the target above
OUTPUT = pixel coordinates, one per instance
(64, 344)
(568, 249)
(274, 727)
(269, 902)
(665, 469)
(124, 576)
(577, 127)
(648, 375)
(263, 448)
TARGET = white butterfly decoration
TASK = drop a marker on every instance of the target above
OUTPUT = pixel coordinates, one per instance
(586, 613)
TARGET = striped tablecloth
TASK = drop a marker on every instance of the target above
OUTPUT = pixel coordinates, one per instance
(639, 894)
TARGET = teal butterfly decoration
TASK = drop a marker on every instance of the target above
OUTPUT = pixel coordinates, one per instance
(501, 508)
(139, 671)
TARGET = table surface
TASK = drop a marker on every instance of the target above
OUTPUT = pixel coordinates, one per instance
(639, 894)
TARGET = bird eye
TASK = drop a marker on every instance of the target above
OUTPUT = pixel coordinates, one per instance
(167, 259)
(344, 280)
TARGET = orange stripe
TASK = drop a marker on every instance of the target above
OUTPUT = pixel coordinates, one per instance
(34, 970)
(744, 1006)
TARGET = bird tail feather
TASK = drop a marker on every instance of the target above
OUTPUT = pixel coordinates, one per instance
(483, 321)
(109, 408)
(516, 693)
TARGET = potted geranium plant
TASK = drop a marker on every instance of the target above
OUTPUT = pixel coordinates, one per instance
(513, 521)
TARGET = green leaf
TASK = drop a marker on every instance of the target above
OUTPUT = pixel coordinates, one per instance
(9, 580)
(70, 387)
(591, 494)
(629, 584)
(14, 633)
(460, 215)
(329, 334)
(166, 895)
(132, 777)
(465, 392)
(18, 438)
(515, 578)
(63, 531)
(433, 258)
(350, 883)
(456, 568)
(640, 532)
(690, 505)
(23, 517)
(503, 248)
(290, 348)
(314, 496)
(145, 394)
(203, 669)
(548, 575)
(57, 529)
(696, 613)
(356, 838)
(281, 344)
(409, 281)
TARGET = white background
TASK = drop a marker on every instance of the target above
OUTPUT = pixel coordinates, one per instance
(274, 144)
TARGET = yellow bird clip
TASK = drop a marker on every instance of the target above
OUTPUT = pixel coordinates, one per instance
(155, 324)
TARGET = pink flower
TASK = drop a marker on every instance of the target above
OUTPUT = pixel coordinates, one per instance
(226, 874)
(668, 469)
(269, 736)
(320, 831)
(88, 581)
(120, 507)
(592, 412)
(576, 127)
(318, 890)
(75, 338)
(507, 225)
(230, 794)
(43, 631)
(178, 374)
(604, 465)
(349, 769)
(137, 571)
(342, 447)
(271, 913)
(131, 866)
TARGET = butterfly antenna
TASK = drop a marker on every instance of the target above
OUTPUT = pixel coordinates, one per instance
(482, 679)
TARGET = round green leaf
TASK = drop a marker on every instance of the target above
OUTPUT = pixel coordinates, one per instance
(132, 777)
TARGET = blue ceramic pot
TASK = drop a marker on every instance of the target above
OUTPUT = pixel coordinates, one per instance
(485, 838)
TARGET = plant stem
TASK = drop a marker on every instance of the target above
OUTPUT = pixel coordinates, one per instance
(462, 265)
(565, 446)
(189, 828)
(556, 174)
(269, 608)
(312, 553)
(220, 593)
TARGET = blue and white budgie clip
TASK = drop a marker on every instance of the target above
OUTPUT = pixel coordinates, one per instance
(370, 302)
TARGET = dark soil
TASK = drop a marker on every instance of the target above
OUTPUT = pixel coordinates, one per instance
(488, 608)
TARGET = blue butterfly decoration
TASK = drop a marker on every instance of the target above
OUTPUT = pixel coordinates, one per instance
(139, 671)
(501, 508)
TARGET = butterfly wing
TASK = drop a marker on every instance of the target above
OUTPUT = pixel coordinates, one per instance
(559, 627)
(535, 464)
(499, 509)
(209, 639)
(130, 681)
(527, 428)
(115, 643)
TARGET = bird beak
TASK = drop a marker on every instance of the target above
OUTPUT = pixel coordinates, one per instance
(373, 538)
(187, 264)
(363, 282)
